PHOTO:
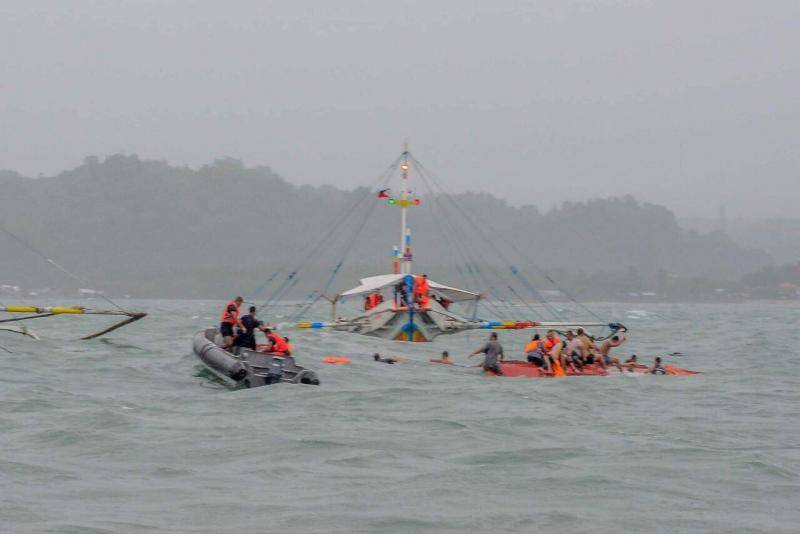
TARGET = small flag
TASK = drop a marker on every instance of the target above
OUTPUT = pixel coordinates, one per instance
(383, 193)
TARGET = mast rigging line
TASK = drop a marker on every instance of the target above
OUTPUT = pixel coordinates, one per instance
(348, 248)
(382, 179)
(423, 171)
(60, 267)
(471, 264)
(541, 271)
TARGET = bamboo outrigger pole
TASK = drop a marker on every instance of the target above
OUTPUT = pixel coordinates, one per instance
(37, 312)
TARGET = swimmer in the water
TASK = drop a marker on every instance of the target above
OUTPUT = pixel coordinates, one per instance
(444, 359)
(377, 358)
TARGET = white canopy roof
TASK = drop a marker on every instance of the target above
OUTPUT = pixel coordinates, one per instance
(376, 283)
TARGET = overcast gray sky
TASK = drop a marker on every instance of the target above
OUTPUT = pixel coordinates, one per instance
(691, 104)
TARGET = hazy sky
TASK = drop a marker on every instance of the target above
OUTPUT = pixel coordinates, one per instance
(692, 104)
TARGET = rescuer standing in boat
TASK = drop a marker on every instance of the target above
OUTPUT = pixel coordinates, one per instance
(230, 318)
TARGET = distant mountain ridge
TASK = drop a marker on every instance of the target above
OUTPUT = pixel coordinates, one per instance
(147, 228)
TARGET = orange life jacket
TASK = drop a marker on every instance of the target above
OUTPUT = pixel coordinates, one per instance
(548, 345)
(228, 316)
(279, 345)
(420, 285)
(532, 346)
(372, 300)
(424, 301)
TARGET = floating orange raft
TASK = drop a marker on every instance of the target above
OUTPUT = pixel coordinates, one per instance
(522, 368)
(336, 360)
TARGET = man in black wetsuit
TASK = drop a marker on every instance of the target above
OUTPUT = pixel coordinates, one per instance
(247, 339)
(377, 358)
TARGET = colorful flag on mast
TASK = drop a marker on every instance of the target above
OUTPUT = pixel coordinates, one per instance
(384, 193)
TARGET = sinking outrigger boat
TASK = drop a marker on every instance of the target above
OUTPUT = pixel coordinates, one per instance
(26, 312)
(248, 368)
(519, 368)
(400, 317)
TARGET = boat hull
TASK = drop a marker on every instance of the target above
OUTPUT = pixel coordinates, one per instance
(519, 368)
(248, 368)
(403, 324)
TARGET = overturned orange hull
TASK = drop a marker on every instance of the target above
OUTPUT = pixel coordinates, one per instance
(512, 368)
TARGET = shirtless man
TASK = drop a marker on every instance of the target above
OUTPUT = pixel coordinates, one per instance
(605, 350)
(574, 349)
(590, 350)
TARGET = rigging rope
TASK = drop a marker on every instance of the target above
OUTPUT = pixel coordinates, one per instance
(423, 171)
(58, 266)
(382, 179)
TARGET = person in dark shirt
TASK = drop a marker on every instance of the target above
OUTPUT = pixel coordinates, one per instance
(377, 358)
(247, 338)
(494, 354)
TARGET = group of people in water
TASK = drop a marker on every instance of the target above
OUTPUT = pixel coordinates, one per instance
(239, 331)
(555, 356)
(552, 354)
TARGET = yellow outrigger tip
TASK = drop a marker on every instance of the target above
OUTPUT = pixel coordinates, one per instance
(36, 312)
(55, 310)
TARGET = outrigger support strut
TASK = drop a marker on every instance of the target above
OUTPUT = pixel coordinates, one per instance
(38, 313)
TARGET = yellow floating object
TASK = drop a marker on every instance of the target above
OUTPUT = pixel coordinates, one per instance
(34, 309)
(303, 325)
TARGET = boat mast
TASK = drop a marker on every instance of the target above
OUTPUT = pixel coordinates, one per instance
(405, 233)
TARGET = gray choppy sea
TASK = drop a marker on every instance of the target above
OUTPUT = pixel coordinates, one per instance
(126, 434)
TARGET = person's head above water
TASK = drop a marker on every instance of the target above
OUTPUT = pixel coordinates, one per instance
(252, 310)
(445, 354)
(376, 356)
(536, 338)
(238, 300)
(493, 336)
(658, 360)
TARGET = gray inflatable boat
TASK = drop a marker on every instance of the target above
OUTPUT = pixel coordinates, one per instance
(248, 368)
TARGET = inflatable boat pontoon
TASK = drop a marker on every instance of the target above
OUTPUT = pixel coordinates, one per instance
(248, 368)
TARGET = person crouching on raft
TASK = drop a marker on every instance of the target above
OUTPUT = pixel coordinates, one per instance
(230, 319)
(276, 344)
(494, 355)
(536, 355)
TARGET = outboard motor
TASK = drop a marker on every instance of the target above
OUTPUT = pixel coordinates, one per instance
(275, 371)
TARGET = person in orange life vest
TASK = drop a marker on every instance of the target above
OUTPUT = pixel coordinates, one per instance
(421, 285)
(550, 341)
(276, 344)
(229, 319)
(372, 300)
(424, 302)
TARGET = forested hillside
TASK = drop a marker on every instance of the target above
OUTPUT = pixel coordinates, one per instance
(146, 228)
